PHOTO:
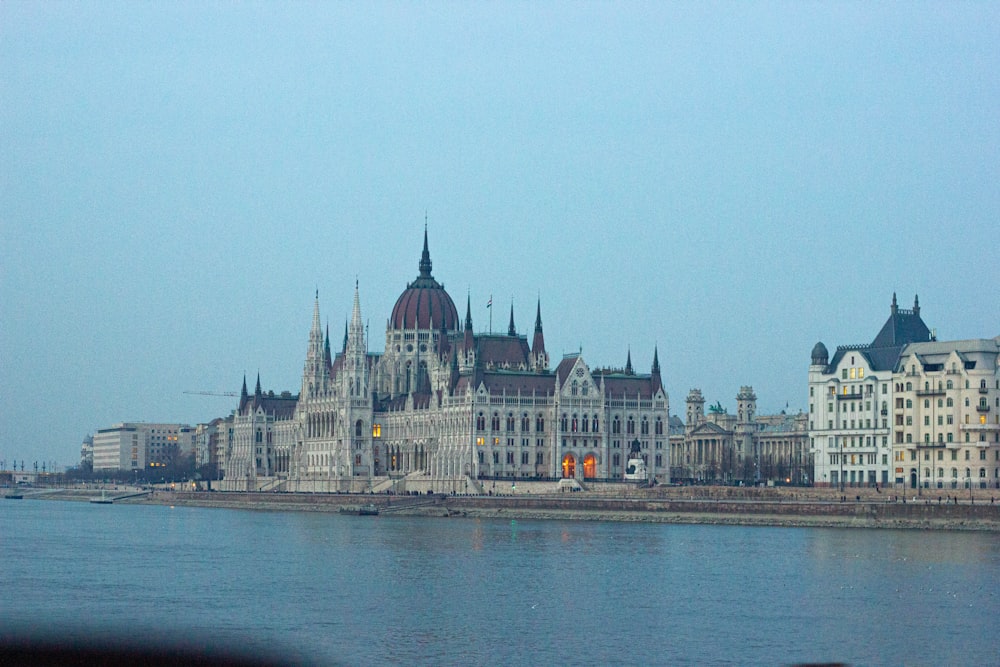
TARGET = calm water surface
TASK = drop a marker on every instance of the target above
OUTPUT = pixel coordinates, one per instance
(332, 589)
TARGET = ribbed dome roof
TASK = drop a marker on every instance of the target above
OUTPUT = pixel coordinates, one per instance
(424, 304)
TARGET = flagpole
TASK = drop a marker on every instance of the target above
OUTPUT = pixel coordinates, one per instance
(489, 306)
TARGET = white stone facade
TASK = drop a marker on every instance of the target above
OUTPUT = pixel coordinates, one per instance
(442, 404)
(946, 414)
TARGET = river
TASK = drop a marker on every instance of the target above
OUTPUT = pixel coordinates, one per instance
(319, 588)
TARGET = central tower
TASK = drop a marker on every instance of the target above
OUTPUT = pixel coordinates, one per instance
(417, 335)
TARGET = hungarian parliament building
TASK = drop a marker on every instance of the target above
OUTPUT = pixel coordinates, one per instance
(442, 408)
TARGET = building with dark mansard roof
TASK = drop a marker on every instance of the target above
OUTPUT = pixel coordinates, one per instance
(445, 408)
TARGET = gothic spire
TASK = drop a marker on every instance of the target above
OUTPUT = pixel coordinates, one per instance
(425, 257)
(538, 341)
(511, 331)
(628, 363)
(657, 380)
(257, 392)
(243, 394)
(315, 324)
(468, 312)
(345, 335)
(326, 346)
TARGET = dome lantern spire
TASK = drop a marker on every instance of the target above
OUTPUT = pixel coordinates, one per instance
(425, 257)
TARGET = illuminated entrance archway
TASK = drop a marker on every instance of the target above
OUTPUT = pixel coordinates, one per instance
(569, 466)
(589, 466)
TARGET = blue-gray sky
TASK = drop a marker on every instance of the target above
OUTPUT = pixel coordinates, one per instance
(728, 181)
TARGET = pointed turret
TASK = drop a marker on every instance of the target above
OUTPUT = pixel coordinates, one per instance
(894, 307)
(916, 305)
(628, 363)
(316, 370)
(453, 374)
(655, 372)
(257, 392)
(244, 397)
(326, 347)
(538, 352)
(511, 331)
(468, 313)
(355, 351)
(345, 336)
(425, 258)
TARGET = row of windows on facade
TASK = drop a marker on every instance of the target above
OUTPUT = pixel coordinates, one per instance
(857, 459)
(567, 423)
(900, 456)
(954, 473)
(616, 459)
(942, 438)
(852, 390)
(942, 420)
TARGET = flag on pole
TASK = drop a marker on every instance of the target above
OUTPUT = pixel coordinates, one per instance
(489, 304)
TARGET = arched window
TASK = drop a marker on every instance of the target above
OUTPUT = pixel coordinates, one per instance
(495, 421)
(644, 426)
(574, 387)
(630, 426)
(574, 424)
(358, 428)
(949, 385)
(510, 421)
(659, 426)
(525, 422)
(540, 423)
(616, 425)
(596, 425)
(909, 403)
(480, 422)
(584, 424)
(564, 423)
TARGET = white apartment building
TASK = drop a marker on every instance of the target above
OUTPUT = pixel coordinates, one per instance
(946, 415)
(850, 396)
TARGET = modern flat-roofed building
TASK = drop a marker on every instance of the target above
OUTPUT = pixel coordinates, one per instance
(141, 446)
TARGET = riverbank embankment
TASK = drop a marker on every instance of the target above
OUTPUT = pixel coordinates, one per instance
(790, 506)
(705, 505)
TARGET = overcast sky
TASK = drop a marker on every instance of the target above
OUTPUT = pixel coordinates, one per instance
(730, 182)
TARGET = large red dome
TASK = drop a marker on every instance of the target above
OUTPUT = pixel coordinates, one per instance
(424, 304)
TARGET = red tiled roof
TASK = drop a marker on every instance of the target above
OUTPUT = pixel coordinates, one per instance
(424, 305)
(500, 350)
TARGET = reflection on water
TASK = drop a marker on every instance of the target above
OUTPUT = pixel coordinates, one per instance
(363, 590)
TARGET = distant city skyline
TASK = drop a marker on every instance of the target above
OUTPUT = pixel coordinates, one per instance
(726, 183)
